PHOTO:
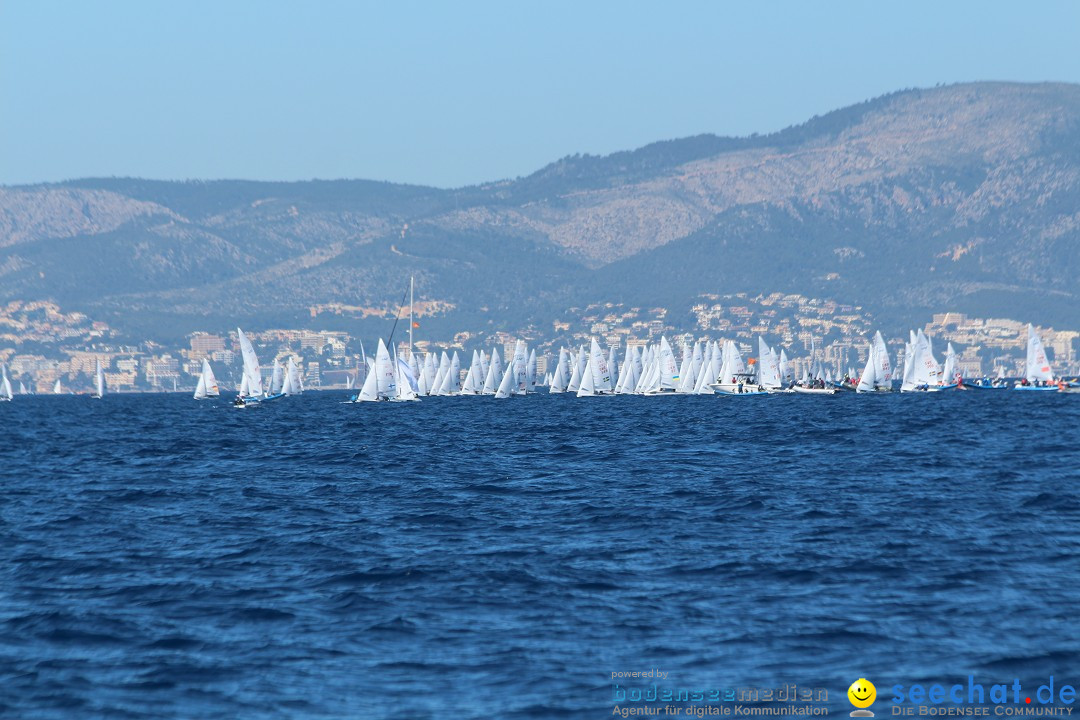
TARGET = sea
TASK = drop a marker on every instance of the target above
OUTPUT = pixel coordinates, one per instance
(474, 558)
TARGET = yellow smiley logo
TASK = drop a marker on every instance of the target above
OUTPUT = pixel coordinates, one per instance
(862, 693)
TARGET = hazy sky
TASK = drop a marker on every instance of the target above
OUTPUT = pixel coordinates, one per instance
(456, 93)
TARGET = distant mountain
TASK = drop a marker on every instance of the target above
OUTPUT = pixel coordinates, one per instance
(964, 197)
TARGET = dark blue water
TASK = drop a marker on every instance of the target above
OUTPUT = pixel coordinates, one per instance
(473, 558)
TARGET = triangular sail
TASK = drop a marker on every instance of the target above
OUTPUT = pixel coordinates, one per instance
(506, 386)
(494, 373)
(868, 378)
(558, 378)
(1037, 366)
(588, 379)
(384, 370)
(5, 384)
(251, 365)
(768, 366)
(597, 366)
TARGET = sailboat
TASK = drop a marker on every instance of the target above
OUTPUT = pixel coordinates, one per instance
(251, 384)
(57, 390)
(292, 383)
(506, 386)
(207, 386)
(560, 378)
(99, 381)
(877, 375)
(666, 376)
(406, 383)
(521, 368)
(5, 385)
(596, 380)
(924, 373)
(381, 382)
(494, 374)
(1037, 373)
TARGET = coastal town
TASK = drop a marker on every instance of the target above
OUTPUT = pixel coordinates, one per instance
(41, 343)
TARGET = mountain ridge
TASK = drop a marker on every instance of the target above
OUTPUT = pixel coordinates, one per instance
(961, 197)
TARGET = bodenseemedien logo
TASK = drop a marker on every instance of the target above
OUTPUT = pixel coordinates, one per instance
(862, 694)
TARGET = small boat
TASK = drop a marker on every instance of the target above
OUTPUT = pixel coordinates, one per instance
(381, 382)
(5, 385)
(742, 381)
(56, 387)
(1038, 377)
(986, 384)
(207, 386)
(251, 384)
(803, 390)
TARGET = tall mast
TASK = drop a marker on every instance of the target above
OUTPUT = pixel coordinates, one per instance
(410, 316)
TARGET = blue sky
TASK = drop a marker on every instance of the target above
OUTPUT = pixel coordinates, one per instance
(450, 94)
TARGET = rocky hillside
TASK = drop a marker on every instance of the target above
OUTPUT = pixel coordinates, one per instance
(964, 197)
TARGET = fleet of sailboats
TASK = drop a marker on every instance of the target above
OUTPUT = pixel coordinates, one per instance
(709, 368)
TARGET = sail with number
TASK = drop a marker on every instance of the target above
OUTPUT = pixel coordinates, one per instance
(597, 366)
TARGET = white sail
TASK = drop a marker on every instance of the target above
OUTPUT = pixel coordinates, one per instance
(883, 372)
(575, 376)
(685, 370)
(787, 372)
(209, 381)
(948, 374)
(597, 366)
(530, 372)
(669, 371)
(474, 383)
(56, 387)
(384, 369)
(5, 384)
(277, 379)
(200, 389)
(868, 379)
(251, 365)
(613, 366)
(1037, 367)
(406, 381)
(370, 391)
(588, 379)
(703, 377)
(628, 379)
(520, 366)
(506, 387)
(99, 380)
(768, 366)
(455, 374)
(440, 374)
(22, 388)
(558, 378)
(650, 374)
(293, 384)
(494, 373)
